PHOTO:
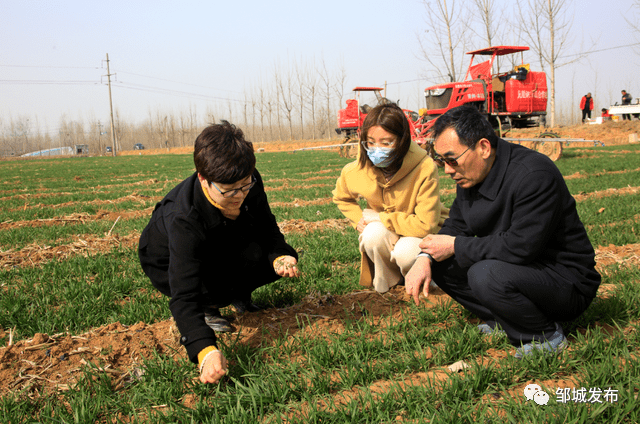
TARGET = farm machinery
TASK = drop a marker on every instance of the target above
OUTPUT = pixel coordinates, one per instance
(513, 99)
(630, 109)
(516, 98)
(351, 118)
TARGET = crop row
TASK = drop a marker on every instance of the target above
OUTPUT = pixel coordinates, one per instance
(326, 351)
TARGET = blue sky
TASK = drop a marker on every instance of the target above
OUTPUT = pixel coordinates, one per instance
(52, 53)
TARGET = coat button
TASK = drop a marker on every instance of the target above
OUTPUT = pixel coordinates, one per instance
(183, 339)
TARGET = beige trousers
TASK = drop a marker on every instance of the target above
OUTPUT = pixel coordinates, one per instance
(392, 255)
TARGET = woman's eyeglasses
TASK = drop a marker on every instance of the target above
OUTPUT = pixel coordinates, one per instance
(440, 161)
(233, 192)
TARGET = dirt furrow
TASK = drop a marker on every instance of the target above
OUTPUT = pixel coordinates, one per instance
(78, 218)
(139, 198)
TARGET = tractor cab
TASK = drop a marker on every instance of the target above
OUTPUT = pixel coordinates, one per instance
(517, 97)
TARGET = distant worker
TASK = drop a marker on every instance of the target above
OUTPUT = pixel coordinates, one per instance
(399, 182)
(586, 105)
(605, 113)
(626, 100)
(212, 241)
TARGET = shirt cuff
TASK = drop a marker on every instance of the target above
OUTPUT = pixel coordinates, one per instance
(204, 353)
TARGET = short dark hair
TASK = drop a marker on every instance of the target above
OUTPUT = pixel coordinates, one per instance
(222, 155)
(469, 124)
(390, 117)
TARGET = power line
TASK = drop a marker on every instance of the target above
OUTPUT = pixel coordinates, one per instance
(48, 82)
(50, 66)
(603, 50)
(177, 82)
(178, 93)
(404, 82)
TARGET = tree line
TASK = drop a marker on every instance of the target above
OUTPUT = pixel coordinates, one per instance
(297, 101)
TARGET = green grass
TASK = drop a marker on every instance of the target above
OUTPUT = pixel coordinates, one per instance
(357, 374)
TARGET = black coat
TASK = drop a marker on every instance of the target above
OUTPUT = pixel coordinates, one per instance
(523, 213)
(191, 252)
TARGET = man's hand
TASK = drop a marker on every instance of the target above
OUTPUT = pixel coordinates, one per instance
(215, 367)
(287, 266)
(439, 246)
(418, 276)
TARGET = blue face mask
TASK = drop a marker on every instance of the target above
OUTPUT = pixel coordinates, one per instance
(379, 156)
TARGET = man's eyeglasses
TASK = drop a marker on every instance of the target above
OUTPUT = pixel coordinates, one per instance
(233, 192)
(440, 161)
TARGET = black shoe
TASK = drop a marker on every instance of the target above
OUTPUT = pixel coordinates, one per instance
(215, 321)
(243, 306)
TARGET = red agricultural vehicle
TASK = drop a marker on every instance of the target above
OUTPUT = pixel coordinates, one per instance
(351, 118)
(513, 99)
(517, 98)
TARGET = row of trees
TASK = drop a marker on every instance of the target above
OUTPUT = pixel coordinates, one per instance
(299, 100)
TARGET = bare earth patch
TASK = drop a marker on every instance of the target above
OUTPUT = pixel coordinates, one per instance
(46, 363)
(50, 363)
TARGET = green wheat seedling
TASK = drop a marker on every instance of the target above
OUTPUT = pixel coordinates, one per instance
(55, 235)
(604, 182)
(384, 367)
(609, 210)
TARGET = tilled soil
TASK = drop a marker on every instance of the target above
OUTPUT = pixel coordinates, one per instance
(50, 363)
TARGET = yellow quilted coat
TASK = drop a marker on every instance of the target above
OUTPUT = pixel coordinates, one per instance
(408, 204)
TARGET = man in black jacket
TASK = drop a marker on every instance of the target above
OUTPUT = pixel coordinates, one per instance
(513, 250)
(212, 241)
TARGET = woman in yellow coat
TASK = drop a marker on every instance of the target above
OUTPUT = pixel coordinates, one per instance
(399, 181)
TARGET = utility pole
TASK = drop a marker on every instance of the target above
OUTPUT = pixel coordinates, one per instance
(113, 131)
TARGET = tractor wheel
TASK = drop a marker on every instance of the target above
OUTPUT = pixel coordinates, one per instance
(551, 149)
(349, 151)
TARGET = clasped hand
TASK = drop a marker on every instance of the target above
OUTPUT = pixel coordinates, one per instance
(368, 216)
(287, 266)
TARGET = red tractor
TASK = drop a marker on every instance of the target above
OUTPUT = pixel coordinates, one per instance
(351, 118)
(517, 98)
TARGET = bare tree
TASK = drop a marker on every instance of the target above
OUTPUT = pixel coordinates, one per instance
(490, 17)
(277, 77)
(445, 38)
(270, 115)
(327, 86)
(262, 107)
(312, 81)
(340, 81)
(300, 91)
(546, 25)
(634, 20)
(286, 97)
